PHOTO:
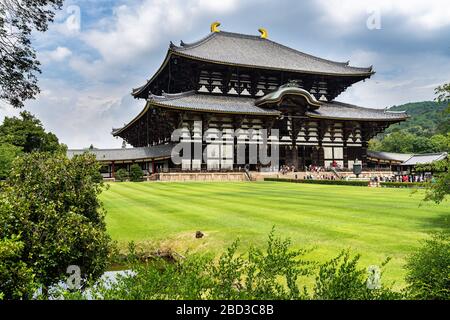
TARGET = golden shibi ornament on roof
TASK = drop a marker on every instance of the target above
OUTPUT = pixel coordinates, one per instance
(215, 26)
(263, 32)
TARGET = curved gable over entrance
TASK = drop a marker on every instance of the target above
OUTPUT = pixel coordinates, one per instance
(289, 94)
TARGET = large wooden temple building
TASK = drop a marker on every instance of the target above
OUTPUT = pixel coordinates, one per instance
(235, 81)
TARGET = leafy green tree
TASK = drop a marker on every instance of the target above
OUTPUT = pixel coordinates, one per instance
(136, 173)
(18, 62)
(121, 175)
(406, 142)
(443, 95)
(8, 153)
(50, 203)
(398, 142)
(420, 144)
(428, 269)
(28, 133)
(375, 145)
(443, 92)
(439, 187)
(16, 278)
(440, 142)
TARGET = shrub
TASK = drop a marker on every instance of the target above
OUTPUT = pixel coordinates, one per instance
(136, 173)
(342, 279)
(51, 203)
(428, 269)
(402, 184)
(8, 153)
(261, 274)
(273, 273)
(329, 182)
(121, 175)
(16, 277)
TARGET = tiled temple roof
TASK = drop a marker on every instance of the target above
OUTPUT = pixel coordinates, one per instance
(345, 111)
(426, 158)
(215, 103)
(210, 103)
(254, 51)
(233, 104)
(389, 156)
(124, 154)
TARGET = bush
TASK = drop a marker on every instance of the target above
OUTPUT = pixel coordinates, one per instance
(428, 269)
(329, 182)
(16, 277)
(273, 273)
(50, 218)
(402, 184)
(341, 279)
(121, 175)
(8, 153)
(136, 173)
(262, 274)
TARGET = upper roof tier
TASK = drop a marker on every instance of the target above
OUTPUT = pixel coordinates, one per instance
(232, 59)
(255, 51)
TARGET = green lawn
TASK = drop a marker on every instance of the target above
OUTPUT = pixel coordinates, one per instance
(375, 222)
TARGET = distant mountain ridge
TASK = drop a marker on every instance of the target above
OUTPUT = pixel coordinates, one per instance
(427, 118)
(427, 130)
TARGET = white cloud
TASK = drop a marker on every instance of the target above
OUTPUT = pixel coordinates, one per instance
(57, 55)
(80, 117)
(138, 28)
(400, 79)
(414, 14)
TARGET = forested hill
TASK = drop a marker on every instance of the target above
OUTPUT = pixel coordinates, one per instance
(426, 118)
(427, 130)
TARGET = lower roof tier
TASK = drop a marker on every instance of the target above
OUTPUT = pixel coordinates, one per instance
(228, 104)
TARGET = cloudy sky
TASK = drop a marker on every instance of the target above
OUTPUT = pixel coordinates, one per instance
(97, 51)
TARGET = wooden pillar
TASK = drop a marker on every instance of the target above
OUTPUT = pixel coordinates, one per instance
(295, 127)
(112, 170)
(294, 156)
(345, 136)
(364, 153)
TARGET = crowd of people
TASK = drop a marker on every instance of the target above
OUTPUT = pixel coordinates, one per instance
(323, 177)
(284, 169)
(314, 172)
(400, 178)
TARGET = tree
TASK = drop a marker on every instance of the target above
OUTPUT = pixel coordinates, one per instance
(398, 142)
(136, 173)
(439, 187)
(443, 92)
(50, 204)
(441, 143)
(428, 274)
(27, 133)
(8, 153)
(16, 278)
(18, 62)
(121, 175)
(375, 145)
(420, 144)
